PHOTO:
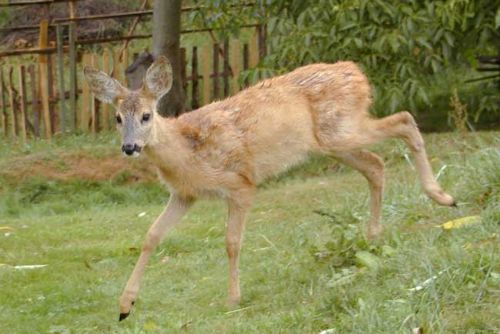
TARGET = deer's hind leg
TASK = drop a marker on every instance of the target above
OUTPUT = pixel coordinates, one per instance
(372, 168)
(354, 134)
(402, 125)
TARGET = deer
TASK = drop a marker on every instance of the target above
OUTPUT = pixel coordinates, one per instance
(228, 147)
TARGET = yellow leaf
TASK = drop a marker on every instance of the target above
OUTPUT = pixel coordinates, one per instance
(461, 222)
(6, 228)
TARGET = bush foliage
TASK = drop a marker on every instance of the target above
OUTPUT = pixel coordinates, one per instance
(414, 52)
(403, 45)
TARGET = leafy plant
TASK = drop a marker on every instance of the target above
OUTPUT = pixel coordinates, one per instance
(403, 46)
(414, 52)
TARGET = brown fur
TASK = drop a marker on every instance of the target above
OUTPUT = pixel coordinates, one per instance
(227, 148)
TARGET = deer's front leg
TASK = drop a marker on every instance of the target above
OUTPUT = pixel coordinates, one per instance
(172, 214)
(238, 207)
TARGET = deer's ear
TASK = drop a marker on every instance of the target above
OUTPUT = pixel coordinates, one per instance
(158, 80)
(105, 88)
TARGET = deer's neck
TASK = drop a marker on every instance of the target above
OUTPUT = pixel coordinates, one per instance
(169, 153)
(165, 146)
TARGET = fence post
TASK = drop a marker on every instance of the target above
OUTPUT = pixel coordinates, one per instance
(51, 82)
(94, 104)
(44, 75)
(235, 64)
(215, 59)
(253, 57)
(226, 70)
(60, 65)
(34, 101)
(72, 74)
(22, 99)
(4, 105)
(86, 95)
(262, 32)
(71, 8)
(184, 75)
(206, 73)
(118, 70)
(124, 60)
(245, 63)
(120, 64)
(194, 79)
(105, 106)
(12, 102)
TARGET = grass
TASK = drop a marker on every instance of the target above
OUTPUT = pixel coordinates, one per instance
(305, 266)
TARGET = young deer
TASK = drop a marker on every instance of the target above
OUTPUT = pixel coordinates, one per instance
(227, 148)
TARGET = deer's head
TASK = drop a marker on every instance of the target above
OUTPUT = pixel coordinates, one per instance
(135, 109)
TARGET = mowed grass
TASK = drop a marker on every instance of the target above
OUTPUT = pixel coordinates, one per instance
(305, 265)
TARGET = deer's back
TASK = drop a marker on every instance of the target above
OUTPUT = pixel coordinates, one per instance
(275, 124)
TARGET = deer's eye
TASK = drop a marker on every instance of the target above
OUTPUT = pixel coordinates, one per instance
(146, 117)
(118, 119)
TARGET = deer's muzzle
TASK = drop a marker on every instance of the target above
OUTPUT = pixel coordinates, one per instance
(130, 149)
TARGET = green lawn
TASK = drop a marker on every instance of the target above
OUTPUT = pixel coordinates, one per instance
(305, 265)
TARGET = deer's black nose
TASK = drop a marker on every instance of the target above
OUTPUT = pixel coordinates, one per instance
(129, 149)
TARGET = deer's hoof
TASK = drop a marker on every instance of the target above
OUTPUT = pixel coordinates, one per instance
(125, 312)
(123, 316)
(440, 197)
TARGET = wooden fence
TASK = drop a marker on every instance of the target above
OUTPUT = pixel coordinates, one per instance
(45, 94)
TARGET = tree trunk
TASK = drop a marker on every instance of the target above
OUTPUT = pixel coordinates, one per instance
(166, 42)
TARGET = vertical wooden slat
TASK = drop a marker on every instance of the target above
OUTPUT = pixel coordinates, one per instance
(245, 62)
(261, 40)
(71, 9)
(4, 104)
(105, 107)
(34, 101)
(44, 75)
(235, 64)
(205, 70)
(22, 102)
(226, 68)
(60, 66)
(184, 77)
(253, 57)
(195, 104)
(72, 75)
(118, 70)
(120, 65)
(215, 59)
(115, 72)
(183, 72)
(125, 60)
(73, 81)
(12, 102)
(96, 115)
(94, 104)
(85, 110)
(51, 79)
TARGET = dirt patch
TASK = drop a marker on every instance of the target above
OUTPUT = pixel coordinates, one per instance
(78, 166)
